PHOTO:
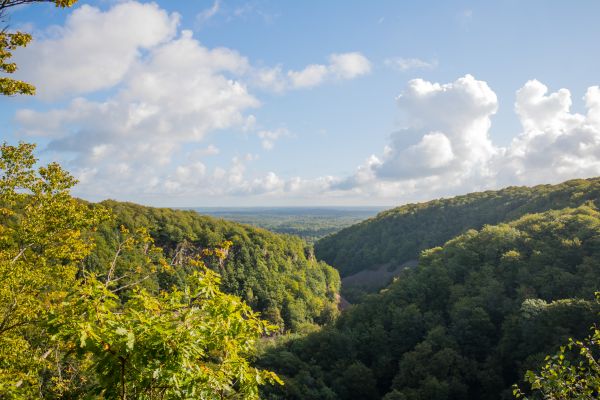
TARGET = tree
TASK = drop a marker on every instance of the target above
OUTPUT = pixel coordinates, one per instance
(42, 240)
(571, 374)
(9, 42)
(65, 333)
(182, 344)
(77, 335)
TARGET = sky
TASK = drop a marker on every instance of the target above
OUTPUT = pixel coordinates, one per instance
(193, 103)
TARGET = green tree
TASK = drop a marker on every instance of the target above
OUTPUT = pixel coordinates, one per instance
(77, 335)
(183, 344)
(42, 240)
(571, 374)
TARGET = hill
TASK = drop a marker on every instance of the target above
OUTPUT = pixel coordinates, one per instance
(275, 274)
(468, 321)
(398, 235)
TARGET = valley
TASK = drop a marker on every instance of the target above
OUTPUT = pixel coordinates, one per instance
(271, 200)
(309, 223)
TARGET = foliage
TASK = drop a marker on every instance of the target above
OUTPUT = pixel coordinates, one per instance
(276, 275)
(68, 332)
(42, 240)
(398, 235)
(193, 343)
(572, 373)
(466, 323)
(10, 41)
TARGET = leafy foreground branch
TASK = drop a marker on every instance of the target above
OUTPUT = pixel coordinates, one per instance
(68, 333)
(571, 374)
(193, 343)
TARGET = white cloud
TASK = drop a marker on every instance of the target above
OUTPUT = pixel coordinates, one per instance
(158, 93)
(268, 138)
(342, 66)
(208, 13)
(445, 146)
(156, 109)
(555, 144)
(446, 133)
(172, 96)
(406, 64)
(312, 75)
(541, 112)
(140, 96)
(94, 50)
(271, 79)
(349, 65)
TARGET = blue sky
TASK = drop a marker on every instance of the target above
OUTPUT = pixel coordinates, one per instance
(319, 103)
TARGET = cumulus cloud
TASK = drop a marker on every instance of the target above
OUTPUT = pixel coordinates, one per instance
(135, 110)
(312, 75)
(349, 65)
(177, 94)
(341, 66)
(555, 144)
(138, 94)
(446, 133)
(94, 50)
(445, 147)
(174, 93)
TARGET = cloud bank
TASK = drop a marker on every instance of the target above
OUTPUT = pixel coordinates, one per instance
(138, 97)
(445, 147)
(138, 92)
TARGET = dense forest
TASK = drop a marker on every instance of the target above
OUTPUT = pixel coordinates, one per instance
(468, 321)
(117, 300)
(275, 274)
(398, 235)
(499, 298)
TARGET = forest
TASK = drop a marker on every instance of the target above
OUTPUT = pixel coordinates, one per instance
(467, 323)
(277, 275)
(115, 300)
(398, 235)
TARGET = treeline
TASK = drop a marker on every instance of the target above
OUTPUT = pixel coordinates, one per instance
(310, 224)
(469, 320)
(275, 274)
(400, 234)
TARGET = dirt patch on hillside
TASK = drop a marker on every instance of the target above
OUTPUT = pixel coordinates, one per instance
(374, 279)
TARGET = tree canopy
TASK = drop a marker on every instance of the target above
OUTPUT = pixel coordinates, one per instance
(398, 235)
(66, 331)
(275, 274)
(466, 323)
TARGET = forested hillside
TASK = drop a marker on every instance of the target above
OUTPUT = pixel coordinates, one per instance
(470, 319)
(398, 235)
(493, 295)
(74, 327)
(275, 274)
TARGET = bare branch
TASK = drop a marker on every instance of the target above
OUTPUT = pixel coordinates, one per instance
(131, 284)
